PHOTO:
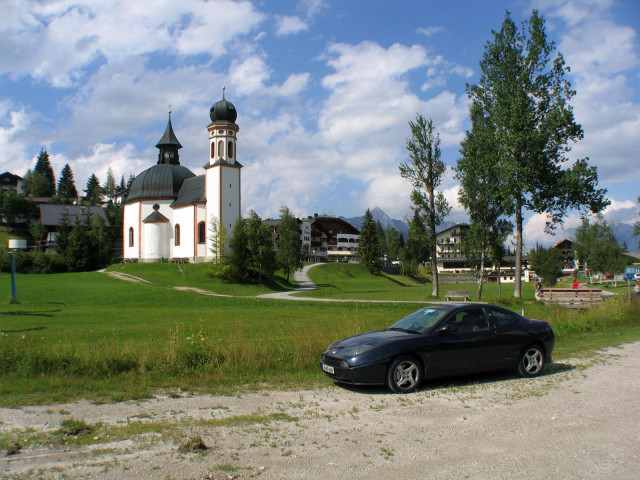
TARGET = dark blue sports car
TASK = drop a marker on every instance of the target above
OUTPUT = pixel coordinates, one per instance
(440, 341)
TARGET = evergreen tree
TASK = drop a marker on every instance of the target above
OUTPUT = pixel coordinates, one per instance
(122, 186)
(239, 256)
(417, 240)
(63, 235)
(37, 231)
(93, 191)
(393, 243)
(130, 181)
(289, 253)
(524, 96)
(78, 251)
(110, 183)
(425, 171)
(66, 185)
(369, 245)
(47, 188)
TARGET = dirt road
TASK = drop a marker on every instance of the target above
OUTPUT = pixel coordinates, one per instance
(580, 421)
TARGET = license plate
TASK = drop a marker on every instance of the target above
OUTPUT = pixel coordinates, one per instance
(328, 369)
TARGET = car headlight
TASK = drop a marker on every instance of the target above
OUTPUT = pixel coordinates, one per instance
(359, 350)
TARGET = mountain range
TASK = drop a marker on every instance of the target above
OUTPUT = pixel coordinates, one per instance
(622, 231)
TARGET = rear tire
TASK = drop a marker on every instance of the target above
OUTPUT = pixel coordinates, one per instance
(531, 362)
(404, 375)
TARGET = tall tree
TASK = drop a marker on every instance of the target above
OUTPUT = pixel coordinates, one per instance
(417, 240)
(289, 252)
(130, 181)
(596, 246)
(477, 172)
(425, 171)
(239, 252)
(66, 185)
(93, 191)
(262, 255)
(393, 243)
(43, 167)
(219, 240)
(525, 96)
(63, 234)
(369, 245)
(14, 205)
(636, 227)
(110, 183)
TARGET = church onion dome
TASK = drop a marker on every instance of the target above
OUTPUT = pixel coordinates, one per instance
(223, 112)
(159, 181)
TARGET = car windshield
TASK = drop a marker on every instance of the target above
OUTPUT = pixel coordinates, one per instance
(421, 321)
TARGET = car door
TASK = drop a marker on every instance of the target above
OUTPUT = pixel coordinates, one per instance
(464, 343)
(510, 336)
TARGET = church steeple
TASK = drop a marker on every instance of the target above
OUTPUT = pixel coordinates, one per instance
(169, 146)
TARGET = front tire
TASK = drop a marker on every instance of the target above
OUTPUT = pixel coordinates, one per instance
(531, 362)
(404, 375)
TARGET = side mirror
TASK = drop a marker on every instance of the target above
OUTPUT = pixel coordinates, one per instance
(444, 330)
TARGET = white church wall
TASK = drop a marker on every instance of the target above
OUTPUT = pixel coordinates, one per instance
(156, 241)
(131, 222)
(184, 217)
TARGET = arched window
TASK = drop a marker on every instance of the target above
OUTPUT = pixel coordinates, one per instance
(201, 238)
(221, 148)
(213, 149)
(177, 236)
(230, 149)
(131, 236)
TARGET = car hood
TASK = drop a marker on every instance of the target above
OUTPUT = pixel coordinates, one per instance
(373, 339)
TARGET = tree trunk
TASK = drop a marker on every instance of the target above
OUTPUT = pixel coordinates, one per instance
(517, 288)
(481, 275)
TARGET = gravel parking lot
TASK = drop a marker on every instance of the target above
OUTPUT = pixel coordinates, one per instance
(579, 421)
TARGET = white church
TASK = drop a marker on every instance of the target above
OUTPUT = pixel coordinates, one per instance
(169, 209)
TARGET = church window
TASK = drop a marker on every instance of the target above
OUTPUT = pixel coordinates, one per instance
(220, 149)
(230, 149)
(201, 232)
(177, 236)
(213, 149)
(131, 236)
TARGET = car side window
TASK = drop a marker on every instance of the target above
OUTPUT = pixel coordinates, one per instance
(503, 319)
(469, 320)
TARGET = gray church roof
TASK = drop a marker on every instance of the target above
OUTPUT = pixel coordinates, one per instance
(159, 181)
(192, 191)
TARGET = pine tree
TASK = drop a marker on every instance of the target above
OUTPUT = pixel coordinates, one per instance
(43, 167)
(110, 183)
(369, 245)
(239, 256)
(93, 191)
(62, 235)
(66, 185)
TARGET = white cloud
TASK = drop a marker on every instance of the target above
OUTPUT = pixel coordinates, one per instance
(290, 25)
(428, 31)
(57, 42)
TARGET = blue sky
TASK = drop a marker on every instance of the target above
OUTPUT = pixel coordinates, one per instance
(324, 90)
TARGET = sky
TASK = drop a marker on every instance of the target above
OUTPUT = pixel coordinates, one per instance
(324, 90)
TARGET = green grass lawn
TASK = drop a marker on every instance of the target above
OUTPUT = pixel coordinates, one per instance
(90, 335)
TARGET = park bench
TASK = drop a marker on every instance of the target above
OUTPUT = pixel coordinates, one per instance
(179, 260)
(457, 294)
(571, 297)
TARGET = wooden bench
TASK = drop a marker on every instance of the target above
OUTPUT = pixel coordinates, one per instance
(457, 294)
(571, 297)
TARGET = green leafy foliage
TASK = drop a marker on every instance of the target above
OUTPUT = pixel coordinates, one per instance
(524, 96)
(369, 245)
(425, 171)
(547, 263)
(289, 253)
(597, 248)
